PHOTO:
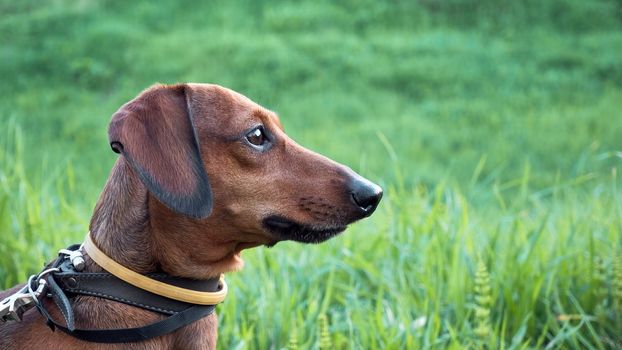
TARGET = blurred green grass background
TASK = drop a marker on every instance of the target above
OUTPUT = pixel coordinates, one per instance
(494, 127)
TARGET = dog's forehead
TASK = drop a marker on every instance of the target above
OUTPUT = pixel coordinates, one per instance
(223, 96)
(234, 105)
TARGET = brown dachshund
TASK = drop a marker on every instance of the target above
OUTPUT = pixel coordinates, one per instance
(204, 173)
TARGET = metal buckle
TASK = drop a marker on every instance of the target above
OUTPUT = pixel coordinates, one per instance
(13, 307)
(76, 257)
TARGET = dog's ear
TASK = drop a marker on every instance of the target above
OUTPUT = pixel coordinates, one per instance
(155, 134)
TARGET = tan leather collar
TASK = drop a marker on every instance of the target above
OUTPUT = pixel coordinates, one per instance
(151, 285)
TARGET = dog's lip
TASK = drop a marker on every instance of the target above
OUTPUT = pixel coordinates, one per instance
(287, 229)
(279, 222)
(282, 223)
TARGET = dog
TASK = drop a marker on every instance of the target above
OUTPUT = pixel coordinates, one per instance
(203, 173)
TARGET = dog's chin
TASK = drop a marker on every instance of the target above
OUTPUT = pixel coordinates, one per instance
(286, 229)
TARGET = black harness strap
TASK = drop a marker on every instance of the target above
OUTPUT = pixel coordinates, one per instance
(129, 335)
(108, 286)
(67, 283)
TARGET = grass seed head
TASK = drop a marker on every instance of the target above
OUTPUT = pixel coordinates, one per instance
(292, 343)
(325, 341)
(483, 301)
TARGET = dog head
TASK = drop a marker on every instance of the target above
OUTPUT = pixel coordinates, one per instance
(224, 165)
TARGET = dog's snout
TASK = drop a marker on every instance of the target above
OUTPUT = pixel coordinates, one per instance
(366, 195)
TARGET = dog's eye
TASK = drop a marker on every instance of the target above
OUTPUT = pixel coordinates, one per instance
(257, 137)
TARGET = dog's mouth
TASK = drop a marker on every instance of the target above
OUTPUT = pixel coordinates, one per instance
(287, 229)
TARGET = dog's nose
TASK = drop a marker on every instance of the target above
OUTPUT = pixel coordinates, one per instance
(366, 195)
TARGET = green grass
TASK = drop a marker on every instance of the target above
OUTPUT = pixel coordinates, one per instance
(493, 126)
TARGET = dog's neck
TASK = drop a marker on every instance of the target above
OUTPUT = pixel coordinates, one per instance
(120, 222)
(137, 231)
